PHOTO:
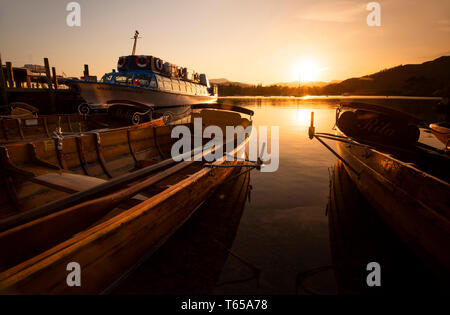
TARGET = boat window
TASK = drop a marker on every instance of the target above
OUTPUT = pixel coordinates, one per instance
(176, 85)
(183, 86)
(167, 84)
(153, 83)
(160, 81)
(123, 79)
(141, 80)
(107, 77)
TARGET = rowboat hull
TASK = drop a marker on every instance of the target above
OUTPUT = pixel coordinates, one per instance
(107, 234)
(108, 251)
(358, 236)
(413, 203)
(100, 93)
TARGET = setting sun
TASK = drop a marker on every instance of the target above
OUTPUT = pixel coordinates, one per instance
(306, 71)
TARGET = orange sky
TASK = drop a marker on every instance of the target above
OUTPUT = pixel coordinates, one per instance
(251, 41)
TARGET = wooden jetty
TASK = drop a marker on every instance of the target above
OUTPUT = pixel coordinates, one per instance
(38, 86)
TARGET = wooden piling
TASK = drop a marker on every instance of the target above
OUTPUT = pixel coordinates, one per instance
(50, 88)
(47, 73)
(9, 74)
(55, 79)
(3, 91)
(86, 72)
(28, 81)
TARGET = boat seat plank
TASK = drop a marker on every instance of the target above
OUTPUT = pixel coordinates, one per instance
(73, 183)
(68, 182)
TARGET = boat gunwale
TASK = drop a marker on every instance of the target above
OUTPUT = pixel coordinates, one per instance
(411, 232)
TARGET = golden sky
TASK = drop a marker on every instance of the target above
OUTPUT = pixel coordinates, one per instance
(255, 41)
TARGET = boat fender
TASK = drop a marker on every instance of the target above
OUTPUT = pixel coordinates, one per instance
(142, 61)
(122, 61)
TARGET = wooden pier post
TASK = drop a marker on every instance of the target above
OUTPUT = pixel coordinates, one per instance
(28, 81)
(47, 73)
(9, 74)
(50, 88)
(55, 79)
(3, 91)
(86, 73)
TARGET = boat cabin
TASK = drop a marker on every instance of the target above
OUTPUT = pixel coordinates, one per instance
(150, 80)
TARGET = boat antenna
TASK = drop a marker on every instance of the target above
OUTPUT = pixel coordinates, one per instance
(135, 37)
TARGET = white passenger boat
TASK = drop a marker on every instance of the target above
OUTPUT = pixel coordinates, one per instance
(147, 82)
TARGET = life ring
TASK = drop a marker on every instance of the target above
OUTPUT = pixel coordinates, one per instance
(158, 64)
(122, 61)
(142, 61)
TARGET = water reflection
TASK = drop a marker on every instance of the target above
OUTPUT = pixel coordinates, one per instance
(191, 261)
(283, 232)
(358, 236)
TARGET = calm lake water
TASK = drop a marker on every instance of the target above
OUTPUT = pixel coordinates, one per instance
(269, 233)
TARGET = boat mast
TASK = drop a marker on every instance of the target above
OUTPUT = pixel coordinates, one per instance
(136, 36)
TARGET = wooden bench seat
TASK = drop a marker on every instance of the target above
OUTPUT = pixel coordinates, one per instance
(72, 183)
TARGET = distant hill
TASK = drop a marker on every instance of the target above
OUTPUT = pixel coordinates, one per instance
(310, 83)
(223, 81)
(431, 78)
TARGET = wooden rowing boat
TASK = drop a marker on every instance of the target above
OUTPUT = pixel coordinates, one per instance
(102, 200)
(15, 128)
(442, 132)
(374, 123)
(359, 236)
(407, 184)
(410, 190)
